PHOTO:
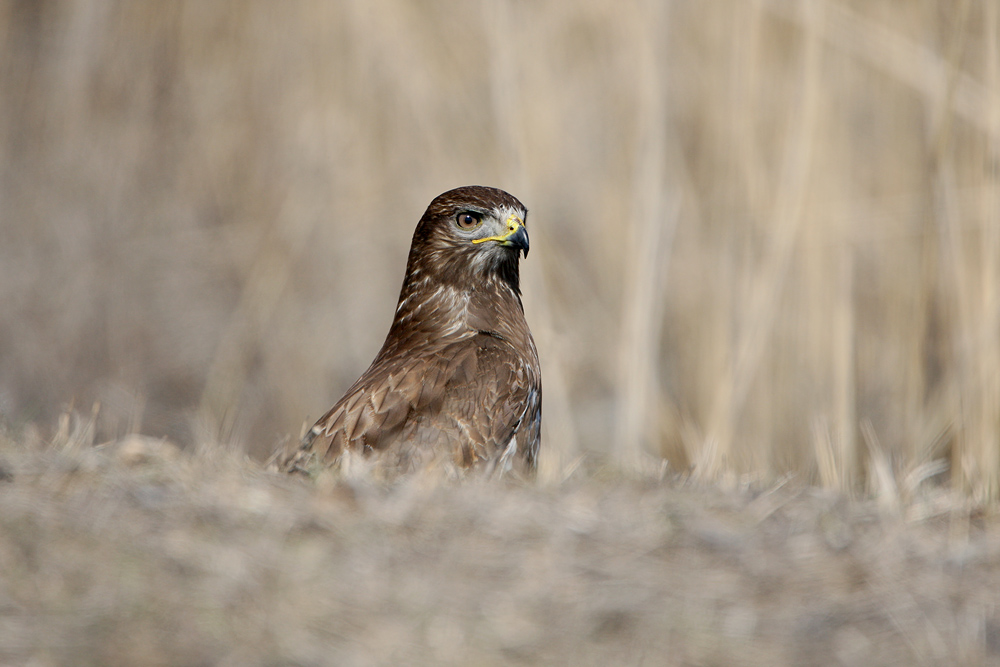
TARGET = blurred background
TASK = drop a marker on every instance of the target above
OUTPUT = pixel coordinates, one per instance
(765, 234)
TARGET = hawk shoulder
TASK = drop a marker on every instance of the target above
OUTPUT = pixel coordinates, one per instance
(468, 401)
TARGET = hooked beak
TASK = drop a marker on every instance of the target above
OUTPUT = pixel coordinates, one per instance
(517, 240)
(516, 236)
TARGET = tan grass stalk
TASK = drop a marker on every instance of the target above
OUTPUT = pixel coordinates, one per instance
(910, 63)
(649, 242)
(881, 477)
(985, 429)
(975, 460)
(827, 462)
(843, 362)
(768, 284)
(263, 286)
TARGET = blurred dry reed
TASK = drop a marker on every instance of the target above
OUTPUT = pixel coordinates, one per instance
(755, 226)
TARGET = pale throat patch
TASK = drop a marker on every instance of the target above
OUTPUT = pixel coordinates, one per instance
(444, 297)
(456, 301)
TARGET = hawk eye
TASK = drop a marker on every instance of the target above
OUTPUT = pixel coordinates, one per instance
(468, 219)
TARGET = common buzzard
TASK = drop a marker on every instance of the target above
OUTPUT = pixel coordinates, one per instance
(457, 379)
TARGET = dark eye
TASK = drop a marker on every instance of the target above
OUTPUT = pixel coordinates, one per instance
(468, 220)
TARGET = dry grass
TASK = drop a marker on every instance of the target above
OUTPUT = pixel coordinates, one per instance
(134, 553)
(756, 225)
(765, 246)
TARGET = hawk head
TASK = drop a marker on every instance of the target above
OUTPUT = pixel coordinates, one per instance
(468, 237)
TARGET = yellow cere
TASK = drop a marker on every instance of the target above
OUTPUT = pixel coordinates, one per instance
(513, 224)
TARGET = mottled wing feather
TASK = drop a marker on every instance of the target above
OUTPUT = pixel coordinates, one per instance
(466, 399)
(489, 390)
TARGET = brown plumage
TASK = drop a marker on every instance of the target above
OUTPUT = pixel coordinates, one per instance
(457, 379)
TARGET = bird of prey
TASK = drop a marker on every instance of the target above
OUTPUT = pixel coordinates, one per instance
(457, 379)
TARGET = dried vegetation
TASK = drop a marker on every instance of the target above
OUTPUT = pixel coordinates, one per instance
(765, 248)
(136, 553)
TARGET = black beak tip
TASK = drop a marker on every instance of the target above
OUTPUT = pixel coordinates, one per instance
(520, 241)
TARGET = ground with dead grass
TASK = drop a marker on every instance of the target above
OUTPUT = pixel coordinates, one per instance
(137, 553)
(764, 247)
